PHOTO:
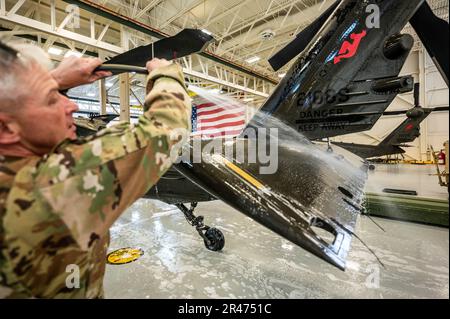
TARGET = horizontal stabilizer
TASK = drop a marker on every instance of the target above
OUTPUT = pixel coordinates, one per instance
(302, 201)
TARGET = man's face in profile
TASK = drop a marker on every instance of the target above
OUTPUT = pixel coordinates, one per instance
(44, 116)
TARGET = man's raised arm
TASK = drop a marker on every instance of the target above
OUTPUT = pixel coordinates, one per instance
(90, 182)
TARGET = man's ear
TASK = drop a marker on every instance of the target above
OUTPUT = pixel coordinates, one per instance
(9, 130)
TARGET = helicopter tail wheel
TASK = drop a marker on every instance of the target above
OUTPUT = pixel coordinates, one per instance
(214, 239)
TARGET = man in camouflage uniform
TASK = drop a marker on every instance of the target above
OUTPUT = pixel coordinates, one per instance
(59, 197)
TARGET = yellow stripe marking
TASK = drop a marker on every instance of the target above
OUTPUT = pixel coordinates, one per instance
(244, 174)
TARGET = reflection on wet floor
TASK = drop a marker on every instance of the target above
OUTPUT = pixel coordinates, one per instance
(257, 263)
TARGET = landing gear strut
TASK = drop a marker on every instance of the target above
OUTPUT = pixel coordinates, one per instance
(329, 148)
(213, 237)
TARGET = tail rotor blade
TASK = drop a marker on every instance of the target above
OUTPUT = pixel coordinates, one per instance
(301, 41)
(188, 41)
(433, 32)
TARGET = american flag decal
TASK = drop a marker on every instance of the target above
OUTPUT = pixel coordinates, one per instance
(215, 116)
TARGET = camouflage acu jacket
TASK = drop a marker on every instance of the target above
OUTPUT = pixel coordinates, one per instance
(55, 211)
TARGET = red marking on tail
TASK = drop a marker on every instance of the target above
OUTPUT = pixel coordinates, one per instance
(349, 49)
(409, 127)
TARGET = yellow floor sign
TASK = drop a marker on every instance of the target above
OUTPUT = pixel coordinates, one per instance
(124, 256)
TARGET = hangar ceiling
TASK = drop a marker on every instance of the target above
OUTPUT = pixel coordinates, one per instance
(247, 33)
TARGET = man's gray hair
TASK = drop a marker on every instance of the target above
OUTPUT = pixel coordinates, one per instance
(30, 52)
(15, 60)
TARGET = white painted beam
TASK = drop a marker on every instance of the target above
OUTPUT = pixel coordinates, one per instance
(182, 12)
(149, 7)
(224, 83)
(16, 7)
(2, 7)
(87, 40)
(124, 97)
(102, 96)
(43, 27)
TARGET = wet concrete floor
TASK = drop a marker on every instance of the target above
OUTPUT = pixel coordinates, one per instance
(257, 263)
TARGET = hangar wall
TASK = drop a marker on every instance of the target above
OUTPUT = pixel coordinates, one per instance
(436, 126)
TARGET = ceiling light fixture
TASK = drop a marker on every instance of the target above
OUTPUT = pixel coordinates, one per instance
(55, 51)
(253, 60)
(73, 53)
(207, 32)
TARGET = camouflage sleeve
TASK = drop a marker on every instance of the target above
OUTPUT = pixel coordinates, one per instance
(89, 183)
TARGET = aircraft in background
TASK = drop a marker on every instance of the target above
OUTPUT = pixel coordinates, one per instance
(405, 133)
